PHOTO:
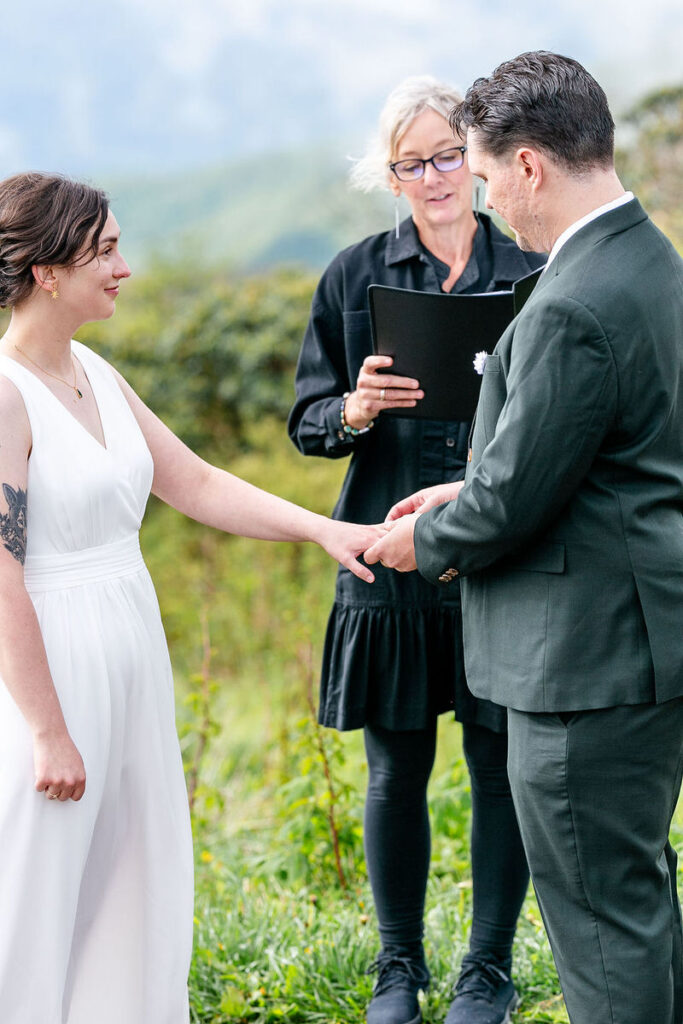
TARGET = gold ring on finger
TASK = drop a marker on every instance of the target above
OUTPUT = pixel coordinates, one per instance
(52, 796)
(381, 394)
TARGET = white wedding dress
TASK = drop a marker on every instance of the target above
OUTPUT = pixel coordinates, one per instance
(95, 896)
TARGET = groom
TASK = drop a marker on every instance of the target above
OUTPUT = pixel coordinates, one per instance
(568, 537)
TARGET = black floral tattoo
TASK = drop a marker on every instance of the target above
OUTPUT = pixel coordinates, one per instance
(13, 523)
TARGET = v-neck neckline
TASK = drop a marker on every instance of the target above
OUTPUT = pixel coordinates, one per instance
(102, 445)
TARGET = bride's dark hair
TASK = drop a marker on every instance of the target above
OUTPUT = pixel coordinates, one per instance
(45, 219)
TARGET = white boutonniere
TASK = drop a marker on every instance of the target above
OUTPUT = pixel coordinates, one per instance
(479, 362)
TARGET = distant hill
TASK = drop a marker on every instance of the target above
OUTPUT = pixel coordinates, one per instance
(253, 214)
(296, 206)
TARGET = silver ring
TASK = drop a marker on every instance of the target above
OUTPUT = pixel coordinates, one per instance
(381, 394)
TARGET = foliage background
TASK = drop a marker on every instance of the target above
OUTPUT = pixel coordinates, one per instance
(284, 919)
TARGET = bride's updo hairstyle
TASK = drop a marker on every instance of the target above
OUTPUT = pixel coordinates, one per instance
(48, 220)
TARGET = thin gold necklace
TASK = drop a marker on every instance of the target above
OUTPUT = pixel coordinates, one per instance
(61, 380)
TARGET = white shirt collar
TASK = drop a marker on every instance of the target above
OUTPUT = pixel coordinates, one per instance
(578, 224)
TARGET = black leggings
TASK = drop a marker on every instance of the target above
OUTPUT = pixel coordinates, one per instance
(398, 846)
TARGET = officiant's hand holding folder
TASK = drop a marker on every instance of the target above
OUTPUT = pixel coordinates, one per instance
(434, 337)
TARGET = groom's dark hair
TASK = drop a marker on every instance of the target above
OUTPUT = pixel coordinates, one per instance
(540, 99)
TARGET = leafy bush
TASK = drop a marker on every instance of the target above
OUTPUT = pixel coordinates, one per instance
(209, 359)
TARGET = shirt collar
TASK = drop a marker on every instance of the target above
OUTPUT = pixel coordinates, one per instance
(408, 245)
(581, 223)
(405, 246)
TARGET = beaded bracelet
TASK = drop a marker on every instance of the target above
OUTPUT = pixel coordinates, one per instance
(345, 426)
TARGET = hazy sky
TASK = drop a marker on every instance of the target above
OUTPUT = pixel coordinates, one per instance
(148, 85)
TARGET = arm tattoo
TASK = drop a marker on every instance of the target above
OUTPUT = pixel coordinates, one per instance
(13, 523)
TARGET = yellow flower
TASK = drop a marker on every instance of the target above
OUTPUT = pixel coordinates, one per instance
(206, 857)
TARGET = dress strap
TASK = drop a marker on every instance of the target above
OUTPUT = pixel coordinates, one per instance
(17, 373)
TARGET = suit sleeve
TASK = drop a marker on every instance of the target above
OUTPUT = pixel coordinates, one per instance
(560, 403)
(321, 376)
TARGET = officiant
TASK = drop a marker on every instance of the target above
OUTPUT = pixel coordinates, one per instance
(393, 659)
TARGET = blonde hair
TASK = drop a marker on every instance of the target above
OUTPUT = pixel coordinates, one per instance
(404, 103)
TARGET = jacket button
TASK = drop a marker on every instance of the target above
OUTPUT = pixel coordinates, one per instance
(450, 442)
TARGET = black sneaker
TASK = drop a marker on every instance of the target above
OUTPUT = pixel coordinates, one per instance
(484, 994)
(394, 999)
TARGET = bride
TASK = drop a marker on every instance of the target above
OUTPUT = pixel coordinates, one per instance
(95, 845)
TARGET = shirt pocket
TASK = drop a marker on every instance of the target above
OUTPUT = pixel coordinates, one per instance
(357, 341)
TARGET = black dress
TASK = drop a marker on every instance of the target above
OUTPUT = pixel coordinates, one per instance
(393, 650)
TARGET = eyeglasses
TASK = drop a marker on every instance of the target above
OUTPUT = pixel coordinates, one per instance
(414, 168)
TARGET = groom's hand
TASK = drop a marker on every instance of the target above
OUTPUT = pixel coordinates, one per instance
(422, 501)
(396, 549)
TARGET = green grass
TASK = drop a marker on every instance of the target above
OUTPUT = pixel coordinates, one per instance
(267, 952)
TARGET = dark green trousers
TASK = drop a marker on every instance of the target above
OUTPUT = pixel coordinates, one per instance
(595, 792)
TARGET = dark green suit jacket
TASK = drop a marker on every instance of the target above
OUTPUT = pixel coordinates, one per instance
(569, 531)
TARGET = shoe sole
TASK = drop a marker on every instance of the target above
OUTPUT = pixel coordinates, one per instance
(414, 1020)
(511, 1007)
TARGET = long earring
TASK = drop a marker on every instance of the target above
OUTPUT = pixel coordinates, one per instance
(397, 217)
(55, 293)
(475, 197)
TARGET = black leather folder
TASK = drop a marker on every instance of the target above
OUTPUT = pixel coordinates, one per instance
(434, 337)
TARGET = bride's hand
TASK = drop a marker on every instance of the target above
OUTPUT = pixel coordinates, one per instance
(59, 768)
(346, 541)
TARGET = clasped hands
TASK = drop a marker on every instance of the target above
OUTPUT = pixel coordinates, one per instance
(396, 548)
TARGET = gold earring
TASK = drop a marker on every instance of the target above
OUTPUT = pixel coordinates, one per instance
(55, 293)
